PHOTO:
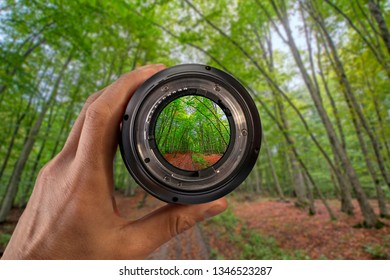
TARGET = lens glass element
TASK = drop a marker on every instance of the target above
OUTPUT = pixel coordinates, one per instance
(192, 133)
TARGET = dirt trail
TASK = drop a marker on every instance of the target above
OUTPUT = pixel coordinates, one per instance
(189, 245)
(181, 161)
(291, 227)
(186, 161)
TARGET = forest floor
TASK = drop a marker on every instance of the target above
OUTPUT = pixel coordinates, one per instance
(191, 161)
(260, 228)
(316, 236)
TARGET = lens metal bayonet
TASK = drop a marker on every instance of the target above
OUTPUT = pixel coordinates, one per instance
(185, 164)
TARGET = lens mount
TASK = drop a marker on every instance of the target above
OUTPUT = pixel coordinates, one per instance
(140, 150)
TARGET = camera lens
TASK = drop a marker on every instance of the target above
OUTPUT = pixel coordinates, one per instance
(190, 134)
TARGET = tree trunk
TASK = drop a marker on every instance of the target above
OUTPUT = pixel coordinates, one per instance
(20, 117)
(349, 94)
(13, 71)
(163, 118)
(366, 38)
(258, 186)
(346, 197)
(378, 107)
(131, 185)
(299, 185)
(298, 158)
(65, 126)
(273, 171)
(28, 130)
(142, 202)
(309, 188)
(67, 119)
(330, 97)
(169, 129)
(384, 212)
(377, 15)
(31, 178)
(13, 185)
(368, 213)
(383, 209)
(274, 85)
(11, 143)
(333, 179)
(344, 183)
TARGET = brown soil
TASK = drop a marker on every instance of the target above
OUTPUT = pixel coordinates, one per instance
(187, 246)
(212, 159)
(185, 161)
(317, 236)
(181, 161)
(292, 228)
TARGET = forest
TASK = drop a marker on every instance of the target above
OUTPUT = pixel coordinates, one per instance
(192, 132)
(318, 71)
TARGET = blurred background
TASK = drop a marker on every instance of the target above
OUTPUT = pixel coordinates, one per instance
(318, 71)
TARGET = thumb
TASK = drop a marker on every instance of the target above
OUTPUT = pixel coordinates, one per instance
(153, 230)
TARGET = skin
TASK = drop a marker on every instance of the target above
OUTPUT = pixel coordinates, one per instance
(72, 212)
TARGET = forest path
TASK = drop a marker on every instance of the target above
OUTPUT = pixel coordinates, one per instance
(188, 245)
(186, 160)
(292, 228)
(181, 161)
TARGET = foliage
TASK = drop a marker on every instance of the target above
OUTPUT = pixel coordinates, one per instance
(193, 124)
(199, 159)
(247, 243)
(318, 72)
(379, 251)
(4, 238)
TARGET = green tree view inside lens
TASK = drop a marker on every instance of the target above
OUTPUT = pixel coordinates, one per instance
(192, 133)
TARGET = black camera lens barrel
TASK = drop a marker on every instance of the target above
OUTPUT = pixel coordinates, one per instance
(143, 158)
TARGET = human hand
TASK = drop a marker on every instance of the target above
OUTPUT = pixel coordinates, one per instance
(72, 212)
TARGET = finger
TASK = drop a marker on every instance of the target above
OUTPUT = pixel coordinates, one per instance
(72, 141)
(74, 135)
(147, 234)
(98, 138)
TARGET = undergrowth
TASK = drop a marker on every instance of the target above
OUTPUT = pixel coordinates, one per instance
(4, 238)
(246, 243)
(198, 159)
(379, 251)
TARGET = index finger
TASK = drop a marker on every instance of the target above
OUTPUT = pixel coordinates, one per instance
(99, 134)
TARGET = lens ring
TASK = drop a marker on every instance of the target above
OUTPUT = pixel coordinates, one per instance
(140, 152)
